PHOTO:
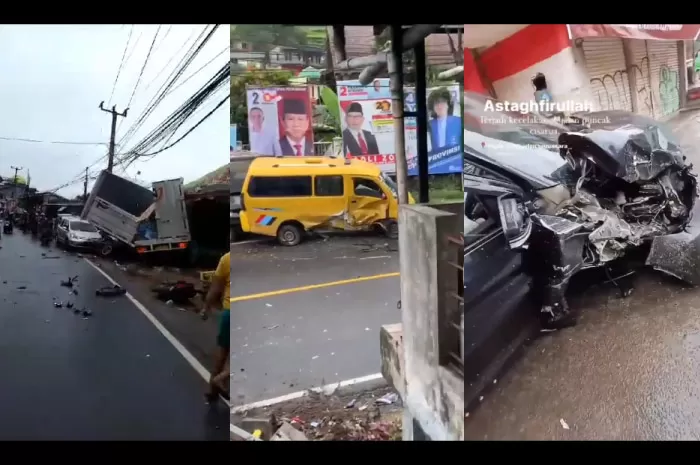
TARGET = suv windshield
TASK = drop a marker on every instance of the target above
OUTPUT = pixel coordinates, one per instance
(82, 226)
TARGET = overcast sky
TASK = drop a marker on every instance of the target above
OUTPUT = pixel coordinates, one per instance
(54, 77)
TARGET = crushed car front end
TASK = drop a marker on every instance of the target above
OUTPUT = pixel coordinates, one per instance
(593, 198)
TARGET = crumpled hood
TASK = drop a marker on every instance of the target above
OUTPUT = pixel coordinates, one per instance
(631, 152)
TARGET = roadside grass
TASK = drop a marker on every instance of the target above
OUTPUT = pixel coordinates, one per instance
(445, 188)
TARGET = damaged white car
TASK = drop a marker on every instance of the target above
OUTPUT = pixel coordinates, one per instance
(545, 200)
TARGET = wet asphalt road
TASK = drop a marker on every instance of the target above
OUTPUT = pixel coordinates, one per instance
(112, 376)
(630, 370)
(294, 341)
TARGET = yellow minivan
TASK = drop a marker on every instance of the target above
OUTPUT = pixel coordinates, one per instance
(284, 197)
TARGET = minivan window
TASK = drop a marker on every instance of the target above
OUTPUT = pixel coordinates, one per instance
(328, 186)
(279, 186)
(367, 188)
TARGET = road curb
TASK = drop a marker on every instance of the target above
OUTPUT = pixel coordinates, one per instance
(347, 387)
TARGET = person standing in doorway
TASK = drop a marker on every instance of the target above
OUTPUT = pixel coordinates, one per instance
(358, 141)
(219, 296)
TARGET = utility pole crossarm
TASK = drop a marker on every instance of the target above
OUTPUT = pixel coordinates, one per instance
(115, 114)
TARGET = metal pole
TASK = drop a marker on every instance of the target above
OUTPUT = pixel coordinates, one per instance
(422, 123)
(112, 136)
(396, 86)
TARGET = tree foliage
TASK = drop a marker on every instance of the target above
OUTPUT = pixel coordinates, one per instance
(265, 37)
(239, 82)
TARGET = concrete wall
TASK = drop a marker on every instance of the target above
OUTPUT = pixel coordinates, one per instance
(434, 394)
(511, 64)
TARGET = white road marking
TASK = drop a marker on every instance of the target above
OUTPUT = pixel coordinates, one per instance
(198, 367)
(299, 394)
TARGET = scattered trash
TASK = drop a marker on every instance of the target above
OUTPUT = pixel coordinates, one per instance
(69, 304)
(69, 282)
(50, 257)
(169, 303)
(58, 305)
(268, 305)
(287, 432)
(315, 424)
(351, 404)
(110, 291)
(314, 357)
(563, 423)
(272, 327)
(387, 399)
(87, 313)
(362, 408)
(76, 310)
(21, 287)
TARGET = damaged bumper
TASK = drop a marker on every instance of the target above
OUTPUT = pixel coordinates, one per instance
(679, 254)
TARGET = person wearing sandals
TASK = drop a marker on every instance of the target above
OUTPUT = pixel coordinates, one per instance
(219, 296)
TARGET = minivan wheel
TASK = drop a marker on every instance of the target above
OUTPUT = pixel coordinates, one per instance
(391, 229)
(289, 234)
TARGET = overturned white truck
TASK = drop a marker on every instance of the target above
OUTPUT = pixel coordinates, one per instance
(149, 220)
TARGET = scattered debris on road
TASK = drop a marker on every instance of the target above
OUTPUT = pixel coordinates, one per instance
(564, 424)
(110, 291)
(373, 415)
(69, 282)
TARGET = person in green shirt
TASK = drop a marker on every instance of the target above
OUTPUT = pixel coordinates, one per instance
(697, 61)
(219, 296)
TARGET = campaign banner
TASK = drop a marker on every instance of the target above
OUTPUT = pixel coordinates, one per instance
(368, 126)
(367, 123)
(445, 130)
(280, 121)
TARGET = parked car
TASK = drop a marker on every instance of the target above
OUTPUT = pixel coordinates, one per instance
(72, 232)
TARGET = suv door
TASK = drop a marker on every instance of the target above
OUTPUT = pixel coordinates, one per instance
(499, 306)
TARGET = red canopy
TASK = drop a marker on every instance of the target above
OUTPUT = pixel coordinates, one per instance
(636, 31)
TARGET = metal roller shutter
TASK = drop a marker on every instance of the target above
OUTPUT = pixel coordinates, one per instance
(605, 62)
(665, 80)
(646, 104)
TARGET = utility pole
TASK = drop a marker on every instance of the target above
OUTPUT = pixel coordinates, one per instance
(85, 185)
(14, 180)
(115, 113)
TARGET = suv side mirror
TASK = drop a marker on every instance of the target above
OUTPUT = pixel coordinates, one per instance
(514, 221)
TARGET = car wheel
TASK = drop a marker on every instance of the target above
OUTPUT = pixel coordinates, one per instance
(106, 250)
(289, 234)
(392, 229)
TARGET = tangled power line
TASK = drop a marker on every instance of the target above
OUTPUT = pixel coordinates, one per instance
(158, 139)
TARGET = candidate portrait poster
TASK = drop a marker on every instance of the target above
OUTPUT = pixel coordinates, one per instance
(445, 130)
(367, 123)
(369, 127)
(280, 121)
